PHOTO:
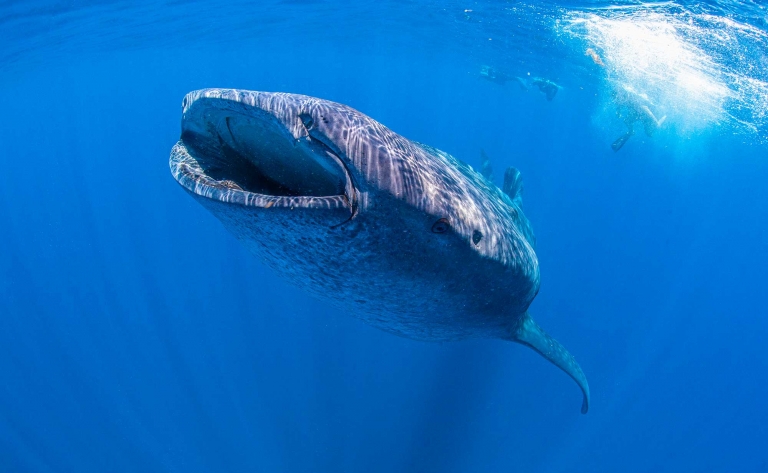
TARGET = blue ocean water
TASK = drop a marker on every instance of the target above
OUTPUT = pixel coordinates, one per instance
(136, 334)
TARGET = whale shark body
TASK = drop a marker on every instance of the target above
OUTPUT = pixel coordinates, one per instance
(397, 233)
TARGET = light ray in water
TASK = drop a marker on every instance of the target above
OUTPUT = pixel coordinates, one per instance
(700, 69)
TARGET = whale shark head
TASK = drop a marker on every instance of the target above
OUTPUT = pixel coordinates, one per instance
(274, 150)
(400, 234)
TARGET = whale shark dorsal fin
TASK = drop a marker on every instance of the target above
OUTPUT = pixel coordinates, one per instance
(528, 333)
(513, 185)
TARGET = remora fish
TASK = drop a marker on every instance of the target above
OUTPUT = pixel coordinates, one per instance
(397, 233)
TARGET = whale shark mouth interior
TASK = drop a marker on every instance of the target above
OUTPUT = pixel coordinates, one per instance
(253, 152)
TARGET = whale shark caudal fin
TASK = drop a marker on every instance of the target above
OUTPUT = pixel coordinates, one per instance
(513, 185)
(528, 333)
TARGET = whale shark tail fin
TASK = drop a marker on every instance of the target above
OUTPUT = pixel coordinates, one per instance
(527, 332)
(513, 185)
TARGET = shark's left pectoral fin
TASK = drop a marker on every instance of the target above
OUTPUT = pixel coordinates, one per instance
(530, 334)
(513, 185)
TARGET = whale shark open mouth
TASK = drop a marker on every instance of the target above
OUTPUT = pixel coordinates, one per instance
(241, 154)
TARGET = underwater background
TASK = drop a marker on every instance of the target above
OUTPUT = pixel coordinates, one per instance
(136, 334)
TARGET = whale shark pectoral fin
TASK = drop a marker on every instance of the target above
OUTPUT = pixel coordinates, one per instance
(513, 185)
(527, 332)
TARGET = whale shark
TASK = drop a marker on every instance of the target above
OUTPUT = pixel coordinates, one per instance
(397, 233)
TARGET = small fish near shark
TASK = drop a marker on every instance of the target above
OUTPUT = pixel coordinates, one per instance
(400, 234)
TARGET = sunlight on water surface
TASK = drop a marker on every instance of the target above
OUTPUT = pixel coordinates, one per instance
(700, 69)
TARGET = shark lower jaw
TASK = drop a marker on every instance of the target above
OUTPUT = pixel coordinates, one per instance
(244, 155)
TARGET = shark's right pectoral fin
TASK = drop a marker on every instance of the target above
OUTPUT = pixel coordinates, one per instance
(528, 333)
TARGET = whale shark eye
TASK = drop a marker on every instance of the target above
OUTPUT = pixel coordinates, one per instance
(476, 237)
(441, 226)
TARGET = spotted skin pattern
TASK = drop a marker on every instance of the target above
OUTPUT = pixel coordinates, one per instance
(376, 250)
